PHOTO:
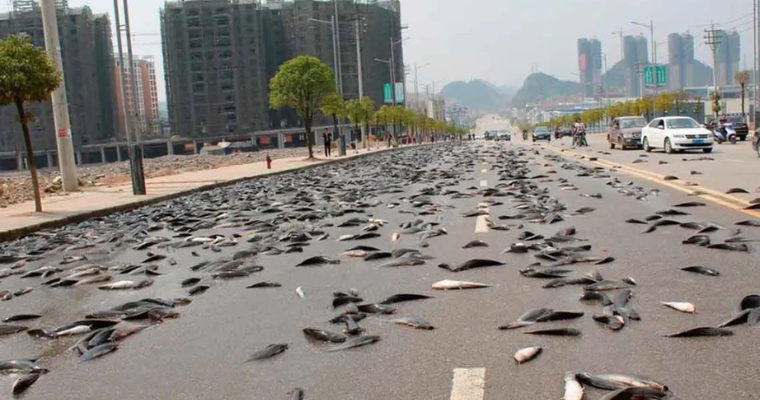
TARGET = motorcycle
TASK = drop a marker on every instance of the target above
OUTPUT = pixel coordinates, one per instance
(579, 139)
(725, 133)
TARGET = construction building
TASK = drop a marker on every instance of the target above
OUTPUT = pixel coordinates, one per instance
(87, 54)
(728, 55)
(590, 67)
(635, 58)
(219, 56)
(142, 105)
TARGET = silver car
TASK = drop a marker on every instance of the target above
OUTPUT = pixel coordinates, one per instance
(625, 132)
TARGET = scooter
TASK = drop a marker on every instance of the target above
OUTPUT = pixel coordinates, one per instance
(725, 133)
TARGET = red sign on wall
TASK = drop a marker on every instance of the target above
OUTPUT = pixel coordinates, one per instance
(64, 133)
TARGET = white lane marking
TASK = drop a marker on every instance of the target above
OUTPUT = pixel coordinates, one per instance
(481, 224)
(483, 171)
(468, 384)
(483, 183)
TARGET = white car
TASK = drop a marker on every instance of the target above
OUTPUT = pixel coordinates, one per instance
(674, 134)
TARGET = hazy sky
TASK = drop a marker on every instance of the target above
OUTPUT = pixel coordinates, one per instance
(505, 40)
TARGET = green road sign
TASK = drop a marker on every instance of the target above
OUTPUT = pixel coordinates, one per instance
(388, 93)
(660, 73)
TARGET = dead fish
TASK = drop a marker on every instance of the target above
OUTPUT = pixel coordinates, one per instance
(670, 178)
(629, 280)
(449, 285)
(750, 302)
(701, 270)
(190, 282)
(736, 190)
(702, 332)
(268, 352)
(22, 317)
(752, 223)
(475, 243)
(324, 336)
(471, 264)
(753, 318)
(265, 284)
(690, 204)
(671, 212)
(527, 354)
(738, 319)
(24, 382)
(755, 206)
(398, 298)
(299, 292)
(376, 309)
(730, 247)
(556, 332)
(11, 329)
(414, 322)
(198, 290)
(680, 306)
(573, 389)
(395, 237)
(296, 394)
(318, 260)
(353, 342)
(635, 221)
(378, 256)
(700, 240)
(98, 351)
(619, 381)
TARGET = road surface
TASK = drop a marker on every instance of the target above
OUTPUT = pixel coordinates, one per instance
(203, 353)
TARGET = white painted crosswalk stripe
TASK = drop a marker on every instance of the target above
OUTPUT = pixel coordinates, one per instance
(468, 384)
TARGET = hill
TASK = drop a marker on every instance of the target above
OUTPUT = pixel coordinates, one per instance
(540, 86)
(478, 95)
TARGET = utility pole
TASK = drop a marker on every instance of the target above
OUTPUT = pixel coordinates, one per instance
(135, 164)
(754, 64)
(64, 142)
(713, 39)
(357, 32)
(132, 71)
(338, 64)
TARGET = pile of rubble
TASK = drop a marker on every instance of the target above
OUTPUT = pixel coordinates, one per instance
(16, 187)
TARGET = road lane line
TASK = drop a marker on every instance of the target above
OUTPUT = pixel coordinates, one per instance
(468, 384)
(483, 183)
(481, 223)
(483, 171)
(711, 195)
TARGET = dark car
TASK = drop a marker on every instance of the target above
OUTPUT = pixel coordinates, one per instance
(542, 133)
(756, 142)
(740, 125)
(559, 133)
(625, 132)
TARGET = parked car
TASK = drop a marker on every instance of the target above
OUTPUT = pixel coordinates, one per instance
(756, 142)
(542, 133)
(625, 132)
(503, 136)
(559, 133)
(489, 135)
(674, 134)
(740, 126)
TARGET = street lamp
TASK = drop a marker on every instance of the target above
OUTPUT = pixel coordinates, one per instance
(416, 85)
(654, 62)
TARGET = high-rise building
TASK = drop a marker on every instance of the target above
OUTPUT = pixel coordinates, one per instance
(728, 55)
(87, 55)
(590, 66)
(142, 106)
(635, 57)
(219, 56)
(681, 61)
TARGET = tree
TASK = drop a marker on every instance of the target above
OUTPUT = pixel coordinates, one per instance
(333, 105)
(742, 78)
(302, 84)
(354, 113)
(716, 107)
(27, 74)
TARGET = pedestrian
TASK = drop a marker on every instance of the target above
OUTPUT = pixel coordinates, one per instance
(327, 139)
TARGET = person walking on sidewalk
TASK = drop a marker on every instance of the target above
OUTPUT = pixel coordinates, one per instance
(327, 138)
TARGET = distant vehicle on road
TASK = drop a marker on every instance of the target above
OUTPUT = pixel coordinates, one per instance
(503, 136)
(756, 142)
(559, 133)
(625, 132)
(674, 134)
(489, 135)
(542, 133)
(740, 126)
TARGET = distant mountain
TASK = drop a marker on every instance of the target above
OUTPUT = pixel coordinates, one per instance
(540, 86)
(478, 95)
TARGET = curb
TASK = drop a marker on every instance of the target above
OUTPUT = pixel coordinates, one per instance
(17, 233)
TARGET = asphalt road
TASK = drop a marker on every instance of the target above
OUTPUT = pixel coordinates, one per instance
(203, 353)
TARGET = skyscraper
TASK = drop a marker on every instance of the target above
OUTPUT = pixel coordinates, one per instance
(728, 55)
(219, 56)
(143, 105)
(681, 61)
(87, 55)
(635, 57)
(590, 66)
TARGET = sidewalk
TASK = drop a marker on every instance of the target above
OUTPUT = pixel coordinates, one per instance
(20, 219)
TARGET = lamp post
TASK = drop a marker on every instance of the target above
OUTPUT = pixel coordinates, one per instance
(654, 62)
